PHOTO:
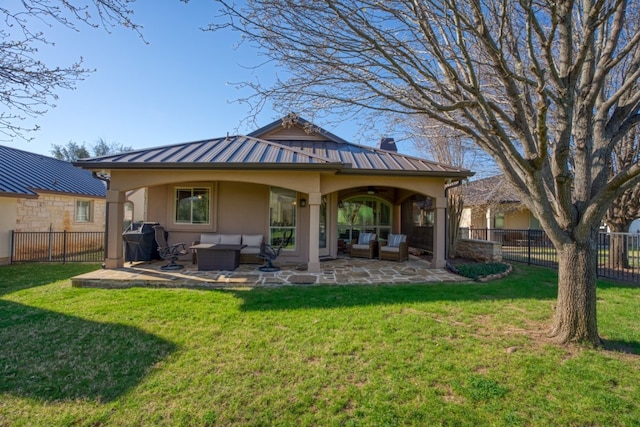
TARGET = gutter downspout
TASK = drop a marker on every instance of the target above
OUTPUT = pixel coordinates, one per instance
(106, 213)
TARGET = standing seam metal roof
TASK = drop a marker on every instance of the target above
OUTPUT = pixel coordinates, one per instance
(250, 151)
(24, 174)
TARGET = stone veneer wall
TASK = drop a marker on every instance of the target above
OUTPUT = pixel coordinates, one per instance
(480, 250)
(57, 212)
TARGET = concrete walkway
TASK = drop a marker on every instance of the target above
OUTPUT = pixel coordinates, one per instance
(341, 271)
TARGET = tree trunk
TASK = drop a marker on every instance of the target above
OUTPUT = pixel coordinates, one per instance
(618, 256)
(575, 317)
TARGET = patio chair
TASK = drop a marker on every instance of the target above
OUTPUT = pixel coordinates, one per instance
(269, 253)
(366, 246)
(167, 251)
(395, 249)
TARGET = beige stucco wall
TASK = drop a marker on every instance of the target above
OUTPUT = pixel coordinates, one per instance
(301, 181)
(518, 219)
(473, 218)
(237, 208)
(57, 212)
(138, 198)
(7, 223)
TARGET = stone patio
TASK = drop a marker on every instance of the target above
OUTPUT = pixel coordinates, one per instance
(341, 271)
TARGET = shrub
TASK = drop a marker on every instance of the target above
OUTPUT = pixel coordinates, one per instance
(473, 271)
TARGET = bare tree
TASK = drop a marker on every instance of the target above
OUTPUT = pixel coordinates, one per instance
(527, 81)
(445, 145)
(449, 146)
(28, 86)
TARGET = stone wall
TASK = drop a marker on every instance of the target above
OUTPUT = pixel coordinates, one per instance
(480, 250)
(57, 212)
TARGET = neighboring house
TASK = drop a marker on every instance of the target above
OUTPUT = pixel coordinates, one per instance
(39, 193)
(491, 203)
(288, 176)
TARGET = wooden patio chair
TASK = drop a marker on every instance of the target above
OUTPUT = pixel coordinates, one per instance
(366, 246)
(395, 249)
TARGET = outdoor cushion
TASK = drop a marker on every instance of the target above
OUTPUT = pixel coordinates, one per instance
(210, 239)
(252, 240)
(365, 238)
(395, 240)
(230, 239)
(250, 250)
(390, 248)
(358, 246)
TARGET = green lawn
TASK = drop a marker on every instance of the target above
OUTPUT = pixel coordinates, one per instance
(449, 354)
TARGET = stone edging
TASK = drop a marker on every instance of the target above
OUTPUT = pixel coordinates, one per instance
(485, 279)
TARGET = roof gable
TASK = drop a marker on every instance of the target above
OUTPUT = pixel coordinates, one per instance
(294, 127)
(25, 174)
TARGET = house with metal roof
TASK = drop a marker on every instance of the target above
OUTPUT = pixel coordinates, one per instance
(40, 193)
(289, 176)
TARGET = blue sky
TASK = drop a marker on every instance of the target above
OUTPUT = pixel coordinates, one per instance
(174, 89)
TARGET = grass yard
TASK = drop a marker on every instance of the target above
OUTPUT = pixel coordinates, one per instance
(448, 354)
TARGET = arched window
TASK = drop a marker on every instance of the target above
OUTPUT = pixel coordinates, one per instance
(364, 214)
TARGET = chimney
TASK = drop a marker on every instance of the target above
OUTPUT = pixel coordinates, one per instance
(388, 144)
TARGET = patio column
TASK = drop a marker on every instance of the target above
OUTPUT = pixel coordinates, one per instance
(115, 215)
(439, 236)
(315, 199)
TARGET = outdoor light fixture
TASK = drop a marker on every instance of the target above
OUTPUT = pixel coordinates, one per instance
(303, 203)
(371, 190)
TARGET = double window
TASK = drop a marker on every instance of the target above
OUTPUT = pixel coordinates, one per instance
(192, 205)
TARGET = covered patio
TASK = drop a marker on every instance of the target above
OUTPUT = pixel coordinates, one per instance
(339, 271)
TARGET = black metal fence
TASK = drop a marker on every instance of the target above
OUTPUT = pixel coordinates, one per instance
(618, 253)
(57, 246)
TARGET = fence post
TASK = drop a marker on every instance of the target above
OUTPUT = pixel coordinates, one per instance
(64, 246)
(13, 243)
(50, 244)
(598, 254)
(528, 246)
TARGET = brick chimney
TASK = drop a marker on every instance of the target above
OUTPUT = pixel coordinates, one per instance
(388, 144)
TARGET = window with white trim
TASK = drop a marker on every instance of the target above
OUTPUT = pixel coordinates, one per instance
(84, 211)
